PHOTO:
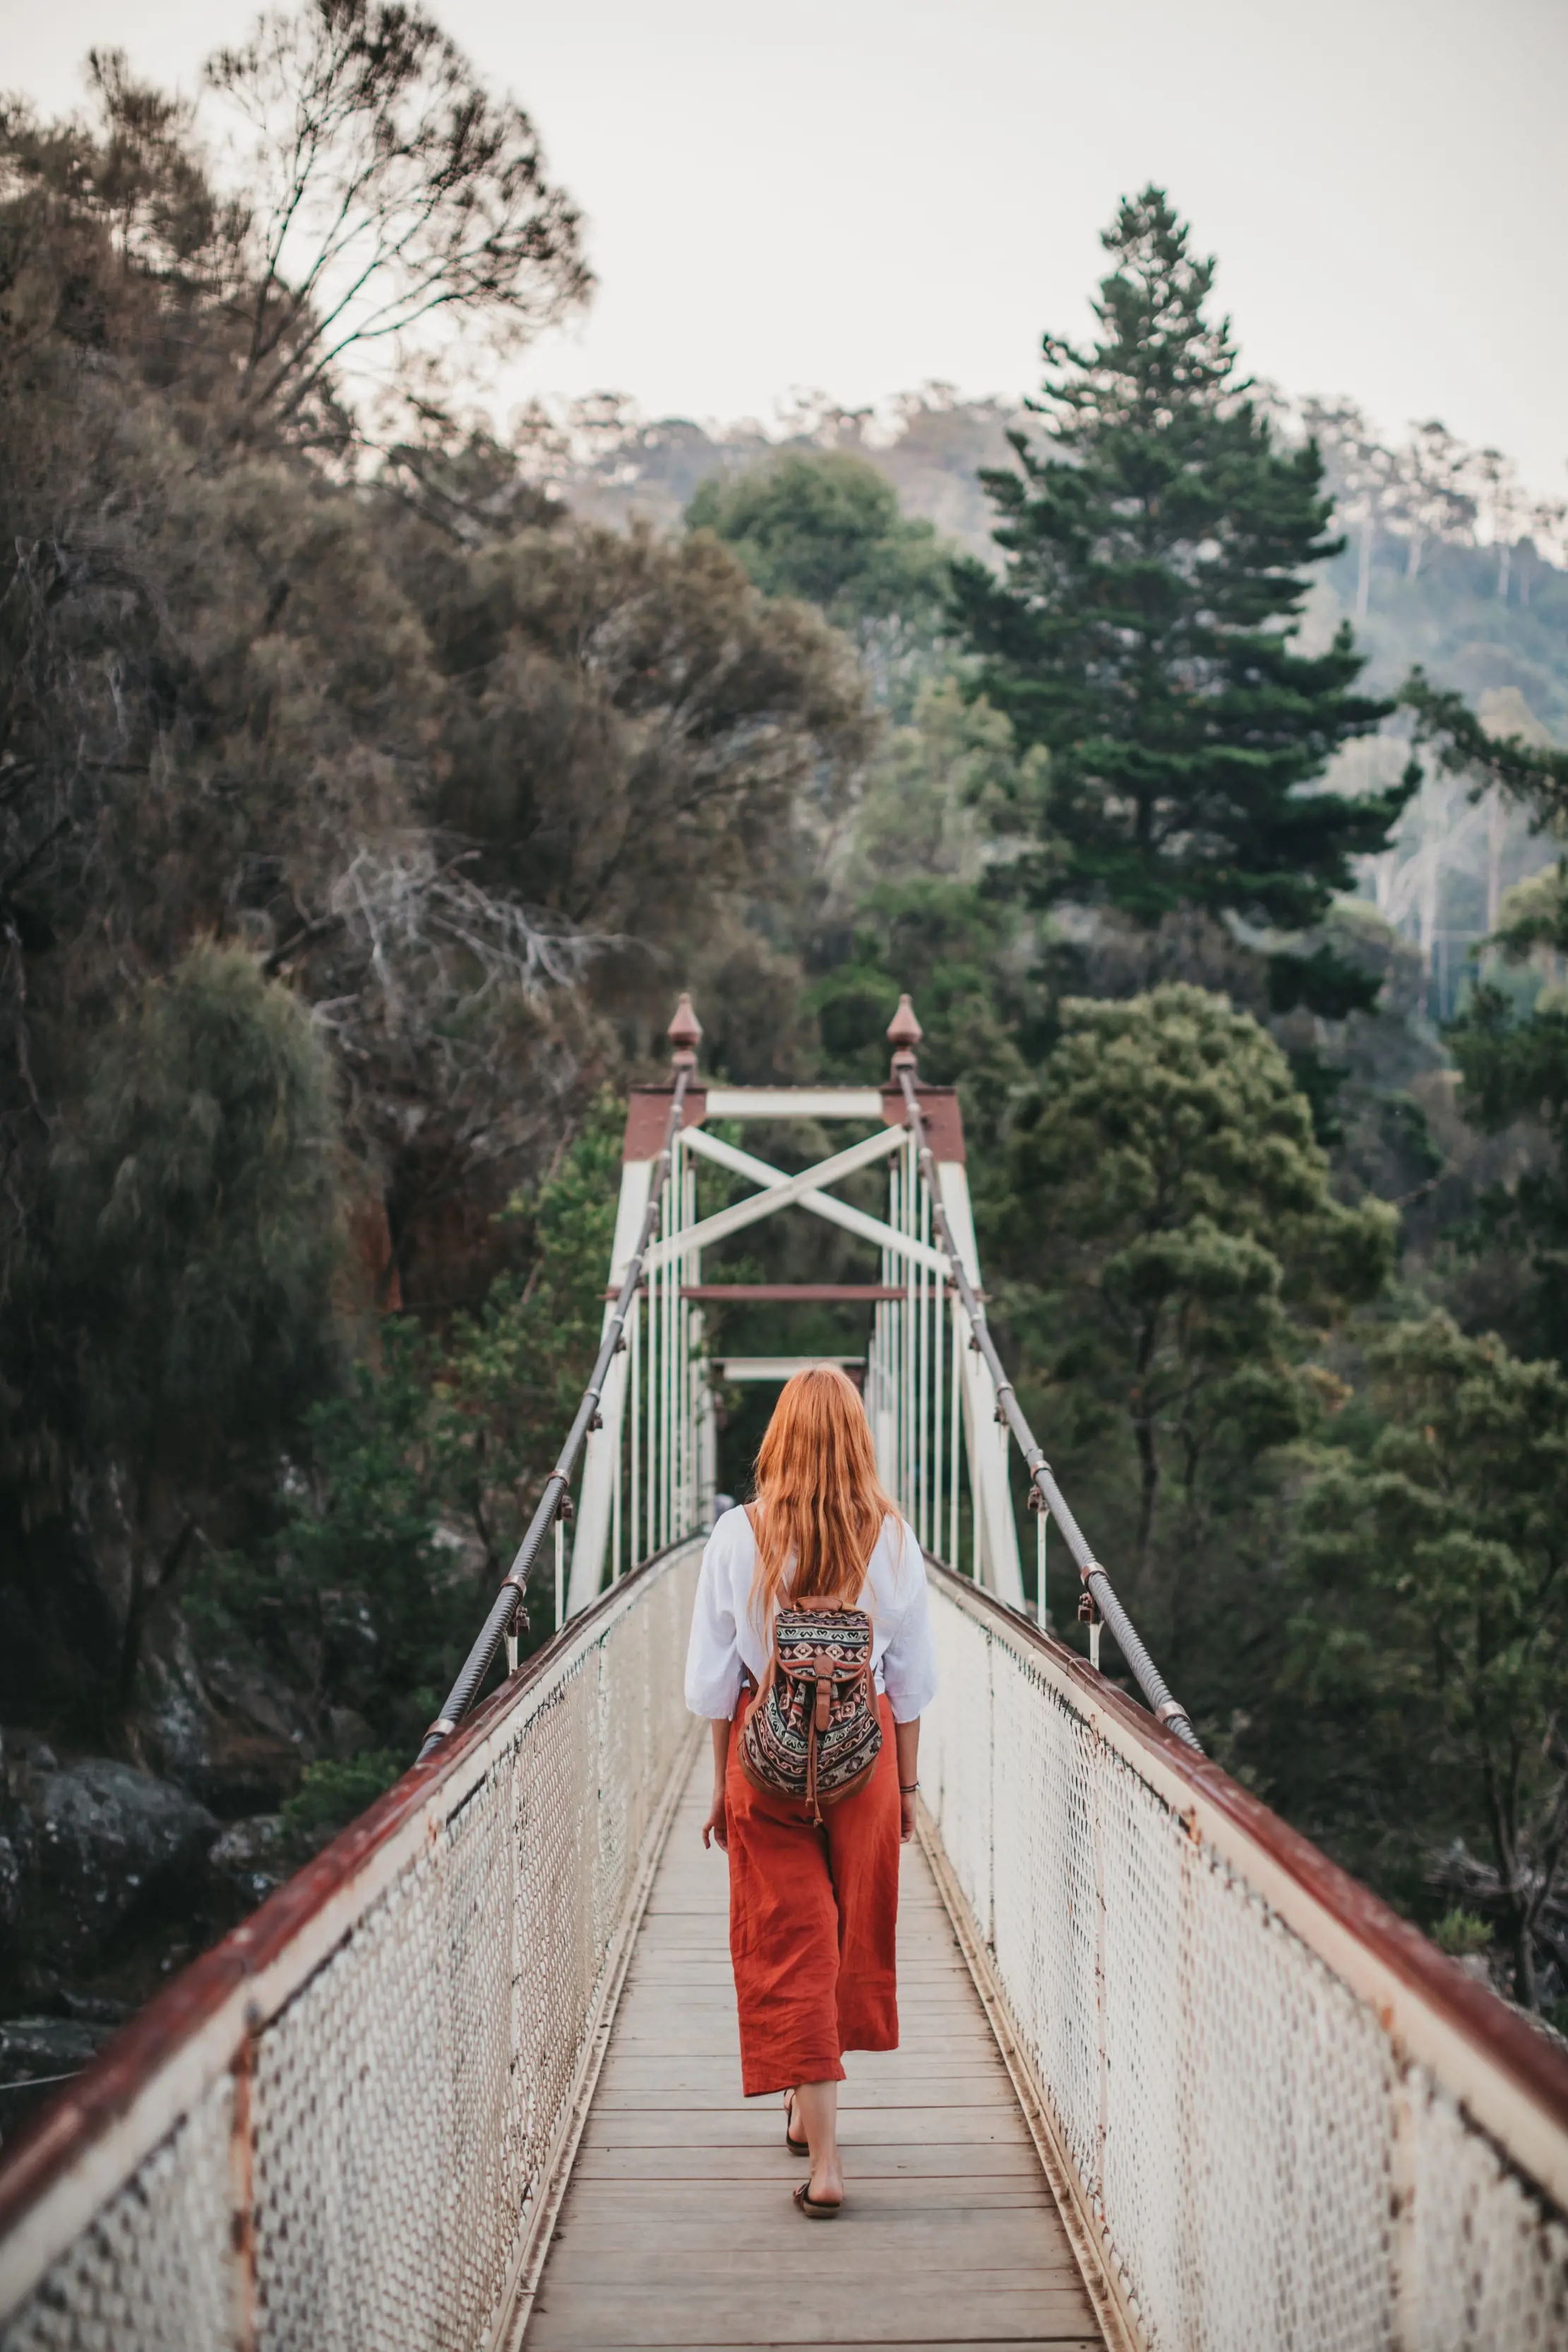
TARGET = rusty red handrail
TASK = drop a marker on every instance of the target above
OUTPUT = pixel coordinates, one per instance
(62, 2130)
(1533, 2063)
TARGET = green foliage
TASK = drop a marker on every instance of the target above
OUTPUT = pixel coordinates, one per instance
(359, 1600)
(513, 1374)
(334, 1792)
(947, 795)
(424, 1472)
(1143, 632)
(1430, 1643)
(1514, 1063)
(632, 727)
(196, 1239)
(947, 942)
(360, 1561)
(1536, 774)
(931, 828)
(198, 1221)
(828, 530)
(1461, 1932)
(466, 779)
(1173, 1212)
(1323, 981)
(1517, 1069)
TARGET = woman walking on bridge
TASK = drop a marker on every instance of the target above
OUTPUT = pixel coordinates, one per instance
(811, 1656)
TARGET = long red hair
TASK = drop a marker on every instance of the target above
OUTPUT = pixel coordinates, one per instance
(820, 1504)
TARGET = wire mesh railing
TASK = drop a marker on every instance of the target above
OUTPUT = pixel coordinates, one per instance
(344, 2129)
(1283, 2118)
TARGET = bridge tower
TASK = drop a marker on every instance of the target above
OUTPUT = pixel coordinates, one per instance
(931, 1395)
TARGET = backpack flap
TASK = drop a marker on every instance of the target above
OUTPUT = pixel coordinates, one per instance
(813, 1732)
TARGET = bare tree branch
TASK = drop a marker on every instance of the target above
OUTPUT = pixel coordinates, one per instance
(392, 201)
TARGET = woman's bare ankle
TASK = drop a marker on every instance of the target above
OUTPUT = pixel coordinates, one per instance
(815, 2118)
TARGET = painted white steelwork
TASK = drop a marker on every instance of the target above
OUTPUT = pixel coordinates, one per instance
(794, 1102)
(649, 1473)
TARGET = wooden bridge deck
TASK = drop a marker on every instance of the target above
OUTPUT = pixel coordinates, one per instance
(677, 2228)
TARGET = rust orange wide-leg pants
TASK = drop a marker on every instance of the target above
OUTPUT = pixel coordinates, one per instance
(813, 1917)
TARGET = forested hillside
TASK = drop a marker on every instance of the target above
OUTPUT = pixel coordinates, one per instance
(370, 782)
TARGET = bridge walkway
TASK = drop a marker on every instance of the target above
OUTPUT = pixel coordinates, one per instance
(677, 2228)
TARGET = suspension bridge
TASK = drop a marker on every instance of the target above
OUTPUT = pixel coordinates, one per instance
(1168, 2079)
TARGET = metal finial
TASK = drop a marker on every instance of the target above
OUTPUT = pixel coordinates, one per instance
(684, 1033)
(903, 1034)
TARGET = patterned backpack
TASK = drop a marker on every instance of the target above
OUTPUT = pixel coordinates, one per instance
(813, 1732)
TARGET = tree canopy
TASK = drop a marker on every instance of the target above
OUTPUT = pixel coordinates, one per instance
(392, 207)
(828, 529)
(1167, 1194)
(1430, 1639)
(198, 1237)
(1143, 631)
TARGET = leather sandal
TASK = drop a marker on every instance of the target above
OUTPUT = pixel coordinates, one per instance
(814, 2208)
(795, 2147)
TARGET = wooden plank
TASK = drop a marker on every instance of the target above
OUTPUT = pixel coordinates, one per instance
(691, 2038)
(743, 2199)
(886, 2073)
(941, 2129)
(666, 2095)
(758, 2212)
(646, 2258)
(677, 2228)
(726, 2313)
(872, 2161)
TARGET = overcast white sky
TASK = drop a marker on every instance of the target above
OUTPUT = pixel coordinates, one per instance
(861, 194)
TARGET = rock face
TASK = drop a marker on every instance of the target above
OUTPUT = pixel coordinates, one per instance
(250, 1855)
(111, 1841)
(36, 2055)
(45, 2047)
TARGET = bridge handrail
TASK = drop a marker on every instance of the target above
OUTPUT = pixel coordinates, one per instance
(1167, 1710)
(364, 2097)
(1282, 2115)
(555, 1503)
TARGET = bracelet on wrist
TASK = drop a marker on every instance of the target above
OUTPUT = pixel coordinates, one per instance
(907, 1788)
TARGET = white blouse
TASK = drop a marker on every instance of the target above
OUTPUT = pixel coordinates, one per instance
(726, 1637)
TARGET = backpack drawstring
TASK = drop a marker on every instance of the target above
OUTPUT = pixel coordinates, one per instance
(816, 1727)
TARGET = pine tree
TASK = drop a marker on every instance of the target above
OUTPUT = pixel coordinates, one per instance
(1142, 632)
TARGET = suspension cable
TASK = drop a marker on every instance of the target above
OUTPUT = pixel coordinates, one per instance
(554, 1502)
(906, 1034)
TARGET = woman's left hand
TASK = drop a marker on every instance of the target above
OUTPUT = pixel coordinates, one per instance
(715, 1826)
(906, 1816)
